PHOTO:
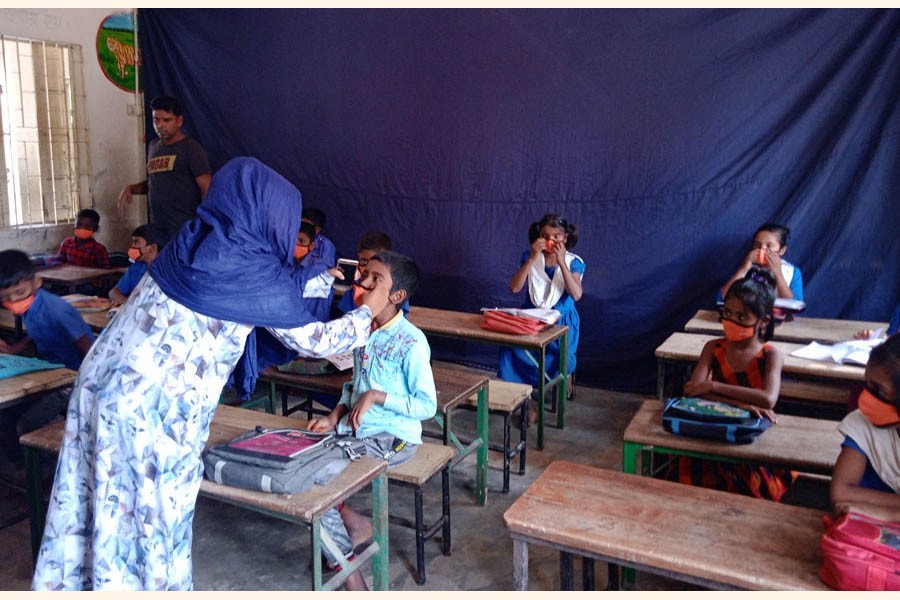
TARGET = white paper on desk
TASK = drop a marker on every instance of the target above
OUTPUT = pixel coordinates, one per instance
(342, 361)
(856, 351)
(545, 315)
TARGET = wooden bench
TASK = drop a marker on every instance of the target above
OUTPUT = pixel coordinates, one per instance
(504, 399)
(707, 537)
(429, 460)
(305, 509)
(453, 386)
(799, 443)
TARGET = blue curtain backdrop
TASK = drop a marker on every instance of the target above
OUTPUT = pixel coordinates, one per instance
(667, 136)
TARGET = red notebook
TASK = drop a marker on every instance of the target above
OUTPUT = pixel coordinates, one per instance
(285, 443)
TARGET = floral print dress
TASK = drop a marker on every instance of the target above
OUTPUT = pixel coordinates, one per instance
(129, 471)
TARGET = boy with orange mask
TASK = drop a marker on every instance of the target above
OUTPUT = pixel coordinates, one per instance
(82, 249)
(147, 242)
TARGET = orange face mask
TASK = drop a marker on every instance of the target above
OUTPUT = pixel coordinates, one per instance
(877, 411)
(19, 307)
(300, 252)
(737, 333)
(357, 295)
(83, 234)
(761, 256)
(134, 253)
(550, 246)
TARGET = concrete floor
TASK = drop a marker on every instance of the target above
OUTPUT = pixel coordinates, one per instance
(235, 549)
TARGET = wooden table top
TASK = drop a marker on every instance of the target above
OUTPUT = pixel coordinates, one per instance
(453, 385)
(74, 274)
(799, 443)
(21, 386)
(96, 320)
(230, 422)
(712, 535)
(686, 347)
(451, 323)
(802, 330)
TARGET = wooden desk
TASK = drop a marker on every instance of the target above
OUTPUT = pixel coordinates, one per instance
(453, 388)
(799, 443)
(73, 276)
(709, 537)
(801, 330)
(96, 320)
(467, 326)
(686, 347)
(305, 509)
(15, 389)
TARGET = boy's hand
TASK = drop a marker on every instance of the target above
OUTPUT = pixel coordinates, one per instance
(363, 404)
(336, 273)
(321, 425)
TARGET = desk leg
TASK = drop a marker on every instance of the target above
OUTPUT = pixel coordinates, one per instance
(587, 574)
(566, 568)
(380, 532)
(35, 498)
(520, 565)
(562, 392)
(629, 456)
(660, 380)
(316, 531)
(482, 457)
(542, 366)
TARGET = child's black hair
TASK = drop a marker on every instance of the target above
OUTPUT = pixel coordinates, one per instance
(404, 271)
(557, 221)
(167, 104)
(780, 230)
(15, 267)
(89, 213)
(315, 216)
(375, 240)
(887, 354)
(757, 291)
(153, 234)
(309, 229)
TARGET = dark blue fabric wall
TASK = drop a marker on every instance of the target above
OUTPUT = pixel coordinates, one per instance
(667, 136)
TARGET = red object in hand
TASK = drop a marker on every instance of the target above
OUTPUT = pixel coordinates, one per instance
(761, 256)
(550, 245)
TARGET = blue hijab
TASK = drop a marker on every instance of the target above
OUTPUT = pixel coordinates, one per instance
(234, 260)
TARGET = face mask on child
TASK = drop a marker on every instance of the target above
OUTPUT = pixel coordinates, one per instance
(300, 252)
(761, 256)
(550, 246)
(83, 234)
(877, 411)
(134, 253)
(19, 307)
(738, 333)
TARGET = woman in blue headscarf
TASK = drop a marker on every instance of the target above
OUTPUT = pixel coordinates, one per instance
(129, 471)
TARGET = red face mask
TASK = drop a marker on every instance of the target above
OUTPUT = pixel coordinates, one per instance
(877, 411)
(761, 256)
(550, 246)
(300, 252)
(83, 234)
(357, 295)
(134, 253)
(738, 333)
(19, 307)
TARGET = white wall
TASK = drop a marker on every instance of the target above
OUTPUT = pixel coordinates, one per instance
(116, 137)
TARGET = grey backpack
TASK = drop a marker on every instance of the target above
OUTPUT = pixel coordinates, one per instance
(318, 465)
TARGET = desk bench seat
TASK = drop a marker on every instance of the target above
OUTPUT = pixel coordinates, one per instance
(708, 537)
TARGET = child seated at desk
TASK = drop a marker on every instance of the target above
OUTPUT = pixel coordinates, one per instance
(314, 275)
(146, 243)
(866, 475)
(770, 243)
(57, 330)
(83, 250)
(744, 371)
(372, 243)
(391, 392)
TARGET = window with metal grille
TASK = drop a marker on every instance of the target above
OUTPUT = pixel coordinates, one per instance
(44, 166)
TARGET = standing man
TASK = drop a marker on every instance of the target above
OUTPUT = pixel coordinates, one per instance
(178, 172)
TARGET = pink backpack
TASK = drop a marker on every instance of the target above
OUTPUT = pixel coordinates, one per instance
(860, 553)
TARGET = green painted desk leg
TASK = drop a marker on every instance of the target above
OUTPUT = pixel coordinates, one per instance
(562, 389)
(380, 532)
(629, 457)
(35, 498)
(316, 531)
(482, 463)
(542, 367)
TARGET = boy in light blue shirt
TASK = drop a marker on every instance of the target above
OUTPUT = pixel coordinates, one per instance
(391, 393)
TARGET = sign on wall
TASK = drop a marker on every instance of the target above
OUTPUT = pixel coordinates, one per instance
(119, 60)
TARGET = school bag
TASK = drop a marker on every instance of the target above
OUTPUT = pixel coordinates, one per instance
(281, 461)
(712, 420)
(860, 553)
